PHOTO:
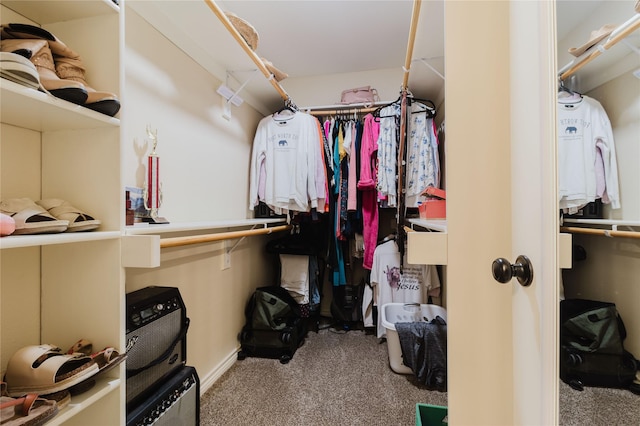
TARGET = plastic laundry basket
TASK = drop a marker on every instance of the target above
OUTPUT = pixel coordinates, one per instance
(405, 312)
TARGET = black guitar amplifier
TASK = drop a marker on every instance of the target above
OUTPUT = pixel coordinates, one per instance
(156, 337)
(176, 402)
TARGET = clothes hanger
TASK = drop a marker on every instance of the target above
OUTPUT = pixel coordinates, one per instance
(286, 112)
(376, 113)
(567, 96)
(429, 106)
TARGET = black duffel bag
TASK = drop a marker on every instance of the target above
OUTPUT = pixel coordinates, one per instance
(591, 346)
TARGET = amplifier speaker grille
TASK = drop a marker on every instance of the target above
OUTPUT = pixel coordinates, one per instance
(175, 402)
(156, 339)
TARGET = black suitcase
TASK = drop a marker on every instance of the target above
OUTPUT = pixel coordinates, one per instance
(274, 327)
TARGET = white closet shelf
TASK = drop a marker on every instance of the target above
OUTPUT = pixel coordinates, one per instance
(17, 241)
(78, 403)
(39, 111)
(439, 225)
(46, 12)
(142, 243)
(146, 229)
(427, 248)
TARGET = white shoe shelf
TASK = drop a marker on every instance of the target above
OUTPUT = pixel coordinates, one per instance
(58, 288)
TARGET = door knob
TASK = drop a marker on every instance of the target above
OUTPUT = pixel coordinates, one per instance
(503, 271)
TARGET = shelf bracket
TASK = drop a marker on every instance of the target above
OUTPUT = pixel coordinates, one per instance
(428, 65)
(229, 96)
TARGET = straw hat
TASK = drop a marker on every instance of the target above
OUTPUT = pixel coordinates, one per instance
(246, 30)
(277, 74)
(596, 37)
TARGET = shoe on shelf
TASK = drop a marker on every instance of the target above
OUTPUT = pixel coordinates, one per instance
(19, 69)
(45, 369)
(31, 218)
(42, 58)
(63, 210)
(68, 65)
(27, 410)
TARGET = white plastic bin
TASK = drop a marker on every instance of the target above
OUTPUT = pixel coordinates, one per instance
(405, 312)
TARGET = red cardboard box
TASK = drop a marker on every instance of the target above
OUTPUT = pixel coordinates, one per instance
(434, 206)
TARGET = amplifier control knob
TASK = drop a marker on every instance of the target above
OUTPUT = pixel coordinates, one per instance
(135, 318)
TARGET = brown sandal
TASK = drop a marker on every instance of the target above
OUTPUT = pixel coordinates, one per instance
(29, 410)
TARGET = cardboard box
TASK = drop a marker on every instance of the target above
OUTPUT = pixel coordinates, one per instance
(434, 206)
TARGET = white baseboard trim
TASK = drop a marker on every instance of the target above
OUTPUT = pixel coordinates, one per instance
(207, 381)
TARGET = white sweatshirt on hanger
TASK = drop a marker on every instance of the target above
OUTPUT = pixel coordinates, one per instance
(583, 129)
(285, 164)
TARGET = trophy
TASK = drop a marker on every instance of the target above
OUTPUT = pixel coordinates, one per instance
(153, 188)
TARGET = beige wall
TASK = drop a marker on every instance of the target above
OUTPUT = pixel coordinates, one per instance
(612, 269)
(204, 173)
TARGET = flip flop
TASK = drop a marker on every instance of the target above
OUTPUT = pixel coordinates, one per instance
(29, 410)
(31, 218)
(63, 210)
(45, 369)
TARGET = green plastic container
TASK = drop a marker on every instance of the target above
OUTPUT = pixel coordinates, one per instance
(430, 415)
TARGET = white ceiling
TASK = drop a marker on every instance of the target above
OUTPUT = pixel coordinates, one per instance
(335, 44)
(309, 39)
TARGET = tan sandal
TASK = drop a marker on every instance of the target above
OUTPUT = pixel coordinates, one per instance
(45, 369)
(31, 218)
(78, 220)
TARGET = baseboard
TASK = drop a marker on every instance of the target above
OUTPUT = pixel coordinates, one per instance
(207, 381)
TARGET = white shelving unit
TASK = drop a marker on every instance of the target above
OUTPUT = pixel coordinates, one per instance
(428, 245)
(58, 288)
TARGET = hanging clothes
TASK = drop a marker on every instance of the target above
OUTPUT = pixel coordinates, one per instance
(367, 186)
(287, 172)
(388, 153)
(587, 165)
(423, 160)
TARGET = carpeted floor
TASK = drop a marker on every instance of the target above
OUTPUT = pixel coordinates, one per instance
(344, 379)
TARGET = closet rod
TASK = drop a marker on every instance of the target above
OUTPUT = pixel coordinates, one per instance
(412, 37)
(255, 58)
(605, 232)
(207, 238)
(321, 112)
(617, 35)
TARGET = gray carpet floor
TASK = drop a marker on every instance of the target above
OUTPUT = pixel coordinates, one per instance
(339, 378)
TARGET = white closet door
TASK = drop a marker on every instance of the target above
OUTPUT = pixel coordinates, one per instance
(502, 203)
